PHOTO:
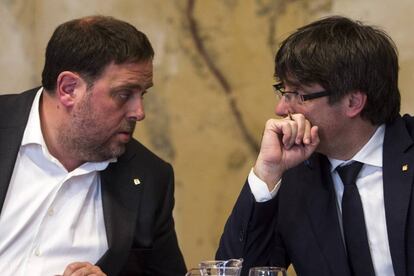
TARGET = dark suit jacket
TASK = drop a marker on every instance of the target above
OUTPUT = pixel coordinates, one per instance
(138, 218)
(301, 225)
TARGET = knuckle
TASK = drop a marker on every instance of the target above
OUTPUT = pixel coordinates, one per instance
(269, 122)
(293, 124)
(299, 116)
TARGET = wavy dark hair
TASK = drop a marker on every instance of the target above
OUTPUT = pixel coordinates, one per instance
(87, 45)
(343, 55)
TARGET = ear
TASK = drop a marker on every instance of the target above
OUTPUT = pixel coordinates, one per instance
(67, 87)
(356, 101)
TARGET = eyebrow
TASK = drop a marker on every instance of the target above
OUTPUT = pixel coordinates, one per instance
(133, 86)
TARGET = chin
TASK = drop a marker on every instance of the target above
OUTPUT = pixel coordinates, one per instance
(106, 152)
(118, 150)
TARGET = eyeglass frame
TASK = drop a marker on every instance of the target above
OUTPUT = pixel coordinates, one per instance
(280, 90)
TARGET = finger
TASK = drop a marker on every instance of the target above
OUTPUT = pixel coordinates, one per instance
(301, 128)
(289, 132)
(88, 270)
(278, 129)
(307, 136)
(72, 267)
(282, 131)
(314, 136)
(311, 147)
(93, 270)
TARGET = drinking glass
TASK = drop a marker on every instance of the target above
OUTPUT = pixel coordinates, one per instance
(230, 267)
(267, 271)
(224, 271)
(194, 272)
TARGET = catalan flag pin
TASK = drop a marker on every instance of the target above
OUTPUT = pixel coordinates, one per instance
(137, 181)
(405, 168)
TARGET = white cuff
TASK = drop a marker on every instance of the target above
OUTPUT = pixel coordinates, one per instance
(259, 188)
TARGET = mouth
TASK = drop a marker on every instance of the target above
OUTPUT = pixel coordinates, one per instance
(124, 136)
(125, 132)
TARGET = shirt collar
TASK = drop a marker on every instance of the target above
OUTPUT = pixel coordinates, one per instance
(370, 154)
(33, 132)
(33, 136)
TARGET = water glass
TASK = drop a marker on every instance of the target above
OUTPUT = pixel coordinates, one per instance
(267, 271)
(230, 267)
(224, 271)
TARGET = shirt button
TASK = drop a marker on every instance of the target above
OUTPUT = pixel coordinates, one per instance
(51, 212)
(37, 252)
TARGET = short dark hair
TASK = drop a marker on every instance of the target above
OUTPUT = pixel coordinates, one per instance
(87, 45)
(343, 55)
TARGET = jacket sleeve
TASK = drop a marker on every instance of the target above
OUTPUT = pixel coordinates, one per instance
(250, 233)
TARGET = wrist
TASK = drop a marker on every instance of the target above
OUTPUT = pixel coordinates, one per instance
(270, 177)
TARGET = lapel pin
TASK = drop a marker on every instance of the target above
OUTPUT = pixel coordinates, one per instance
(405, 168)
(136, 181)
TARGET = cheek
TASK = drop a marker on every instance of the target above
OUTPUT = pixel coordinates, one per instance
(117, 120)
(330, 124)
(111, 112)
(113, 121)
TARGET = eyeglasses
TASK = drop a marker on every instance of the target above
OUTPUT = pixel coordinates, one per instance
(294, 96)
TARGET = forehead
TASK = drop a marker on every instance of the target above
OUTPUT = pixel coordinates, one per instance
(292, 83)
(140, 72)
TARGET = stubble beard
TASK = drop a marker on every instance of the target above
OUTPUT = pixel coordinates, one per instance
(85, 136)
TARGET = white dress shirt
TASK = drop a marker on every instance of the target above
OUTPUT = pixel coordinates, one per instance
(50, 217)
(370, 187)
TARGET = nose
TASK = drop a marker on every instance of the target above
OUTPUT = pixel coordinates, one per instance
(283, 108)
(137, 112)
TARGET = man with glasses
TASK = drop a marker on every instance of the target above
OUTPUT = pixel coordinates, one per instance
(331, 190)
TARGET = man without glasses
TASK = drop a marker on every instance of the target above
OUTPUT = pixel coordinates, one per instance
(79, 195)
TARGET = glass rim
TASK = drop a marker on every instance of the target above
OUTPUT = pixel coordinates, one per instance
(270, 268)
(231, 263)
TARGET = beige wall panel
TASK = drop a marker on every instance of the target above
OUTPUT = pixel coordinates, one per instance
(204, 119)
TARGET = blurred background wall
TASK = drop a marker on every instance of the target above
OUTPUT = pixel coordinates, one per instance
(213, 76)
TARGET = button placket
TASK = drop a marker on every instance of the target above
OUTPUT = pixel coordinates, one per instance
(42, 233)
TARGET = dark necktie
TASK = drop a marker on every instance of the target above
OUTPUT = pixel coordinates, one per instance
(353, 222)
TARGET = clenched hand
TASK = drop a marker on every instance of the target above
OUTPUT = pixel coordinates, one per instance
(285, 143)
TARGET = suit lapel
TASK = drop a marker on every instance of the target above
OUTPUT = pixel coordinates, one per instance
(120, 198)
(9, 147)
(398, 173)
(323, 214)
(13, 122)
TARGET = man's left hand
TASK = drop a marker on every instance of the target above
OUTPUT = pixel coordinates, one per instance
(82, 269)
